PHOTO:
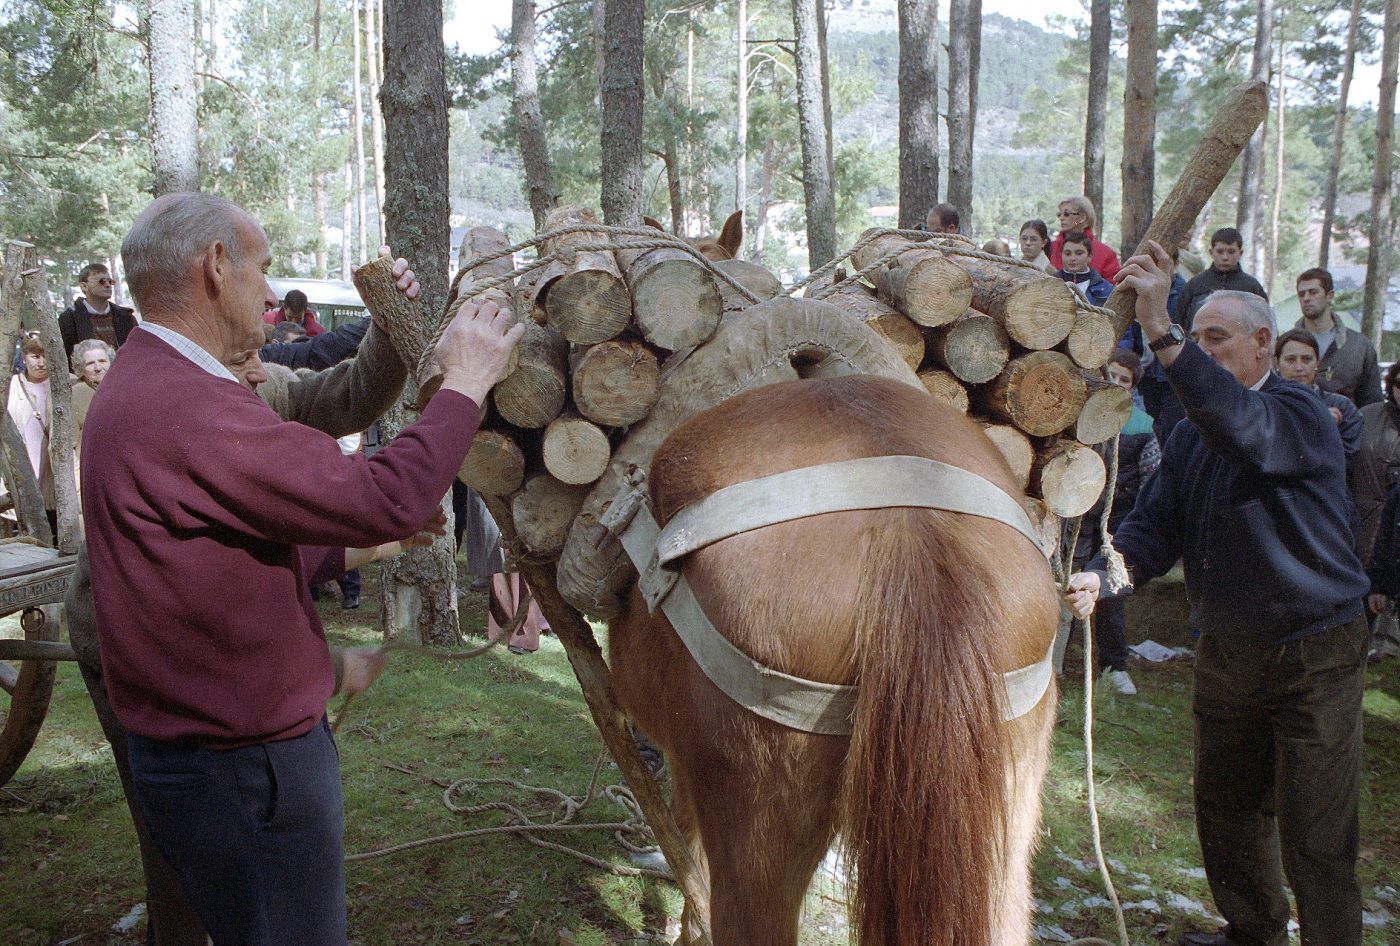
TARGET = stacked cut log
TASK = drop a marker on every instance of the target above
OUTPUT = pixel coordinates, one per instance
(601, 319)
(1008, 345)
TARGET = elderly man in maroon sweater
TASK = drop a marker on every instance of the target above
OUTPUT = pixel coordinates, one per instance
(202, 541)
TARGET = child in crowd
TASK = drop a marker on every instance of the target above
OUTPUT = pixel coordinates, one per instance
(1139, 455)
(1074, 257)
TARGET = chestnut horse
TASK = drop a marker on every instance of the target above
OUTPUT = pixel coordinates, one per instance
(722, 247)
(936, 798)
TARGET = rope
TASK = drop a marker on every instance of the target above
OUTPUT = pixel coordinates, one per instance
(568, 807)
(643, 239)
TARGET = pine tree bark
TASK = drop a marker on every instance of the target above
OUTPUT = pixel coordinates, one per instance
(420, 599)
(624, 89)
(1276, 204)
(529, 122)
(357, 134)
(816, 166)
(964, 54)
(373, 52)
(741, 162)
(1096, 121)
(1247, 215)
(1378, 254)
(174, 131)
(1339, 131)
(1139, 122)
(918, 110)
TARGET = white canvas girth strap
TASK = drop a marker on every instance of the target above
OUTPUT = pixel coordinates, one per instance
(806, 705)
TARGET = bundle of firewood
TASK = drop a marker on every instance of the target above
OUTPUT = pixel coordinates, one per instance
(1010, 346)
(1005, 344)
(599, 324)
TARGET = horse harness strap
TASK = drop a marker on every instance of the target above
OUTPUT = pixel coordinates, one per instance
(869, 483)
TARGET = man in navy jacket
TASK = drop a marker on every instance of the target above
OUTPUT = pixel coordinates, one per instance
(1252, 496)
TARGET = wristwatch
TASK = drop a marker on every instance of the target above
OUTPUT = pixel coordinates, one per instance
(1172, 336)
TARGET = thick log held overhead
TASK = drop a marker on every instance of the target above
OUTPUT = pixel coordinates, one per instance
(921, 282)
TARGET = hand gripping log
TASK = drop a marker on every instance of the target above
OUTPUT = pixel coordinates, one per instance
(1243, 110)
(411, 333)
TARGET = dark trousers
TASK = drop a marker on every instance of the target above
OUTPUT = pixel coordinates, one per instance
(1111, 633)
(349, 584)
(170, 920)
(254, 834)
(1278, 761)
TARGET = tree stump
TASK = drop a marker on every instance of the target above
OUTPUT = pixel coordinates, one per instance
(533, 394)
(1040, 392)
(974, 348)
(1069, 477)
(616, 382)
(921, 282)
(543, 512)
(584, 296)
(495, 464)
(576, 451)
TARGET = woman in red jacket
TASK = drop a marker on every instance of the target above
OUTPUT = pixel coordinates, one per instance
(1077, 214)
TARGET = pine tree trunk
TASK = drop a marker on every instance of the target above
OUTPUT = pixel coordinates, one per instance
(741, 162)
(318, 204)
(174, 131)
(420, 597)
(964, 23)
(1096, 121)
(1139, 122)
(816, 179)
(373, 52)
(1339, 131)
(529, 123)
(918, 110)
(1271, 269)
(826, 91)
(1378, 255)
(1247, 216)
(347, 223)
(357, 135)
(624, 89)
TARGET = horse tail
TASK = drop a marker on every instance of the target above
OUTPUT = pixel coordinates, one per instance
(924, 799)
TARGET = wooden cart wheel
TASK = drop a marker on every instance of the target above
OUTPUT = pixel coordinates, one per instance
(25, 689)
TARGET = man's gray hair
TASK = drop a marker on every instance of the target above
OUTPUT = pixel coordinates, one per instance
(168, 237)
(1082, 204)
(1254, 311)
(81, 349)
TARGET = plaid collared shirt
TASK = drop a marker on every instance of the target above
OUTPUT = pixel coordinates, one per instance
(189, 349)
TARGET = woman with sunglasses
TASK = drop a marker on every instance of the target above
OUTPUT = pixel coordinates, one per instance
(94, 314)
(1076, 215)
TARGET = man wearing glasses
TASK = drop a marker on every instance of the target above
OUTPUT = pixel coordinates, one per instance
(94, 314)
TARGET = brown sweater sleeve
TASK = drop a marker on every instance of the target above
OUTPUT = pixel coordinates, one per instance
(352, 395)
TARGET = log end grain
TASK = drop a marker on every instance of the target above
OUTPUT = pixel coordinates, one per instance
(1070, 478)
(576, 451)
(946, 388)
(495, 465)
(616, 382)
(675, 301)
(752, 277)
(1105, 411)
(927, 287)
(1091, 341)
(1041, 393)
(902, 335)
(975, 348)
(543, 512)
(1015, 447)
(1040, 312)
(588, 306)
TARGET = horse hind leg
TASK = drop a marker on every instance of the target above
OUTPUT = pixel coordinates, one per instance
(766, 821)
(1028, 744)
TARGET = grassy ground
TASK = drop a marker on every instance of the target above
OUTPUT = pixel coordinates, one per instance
(68, 867)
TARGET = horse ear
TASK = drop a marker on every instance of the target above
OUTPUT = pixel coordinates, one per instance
(653, 222)
(733, 234)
